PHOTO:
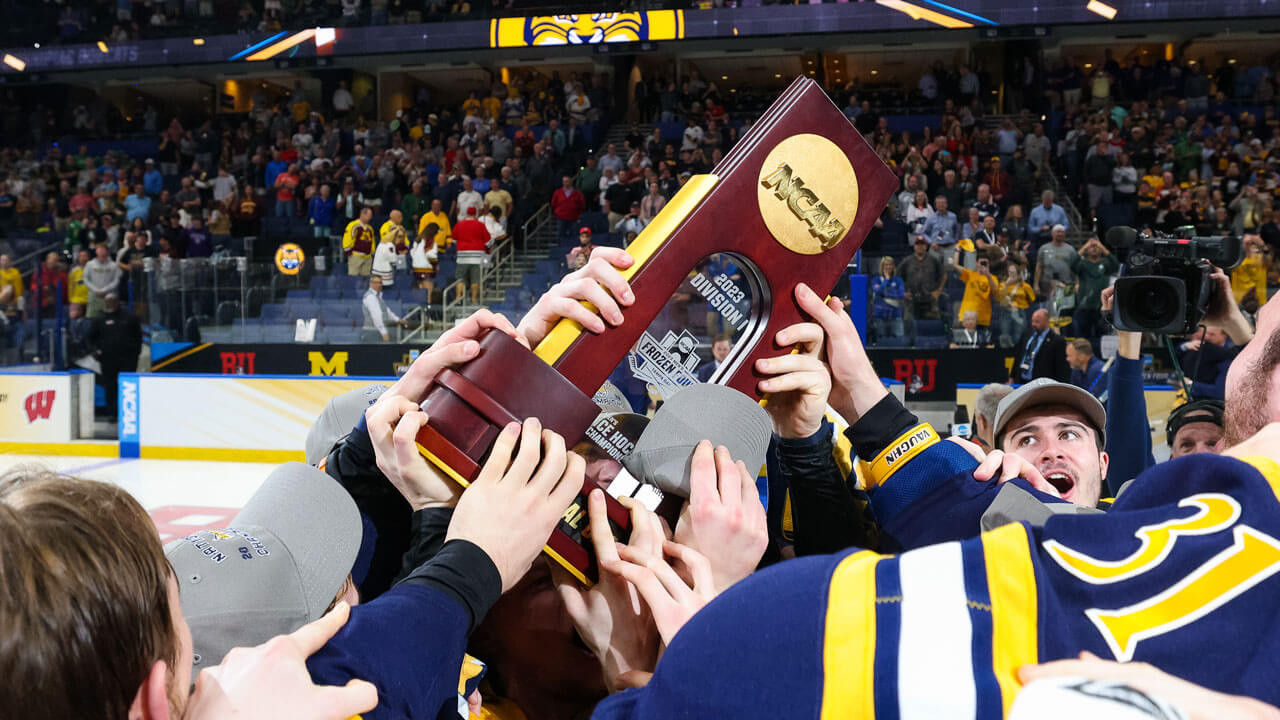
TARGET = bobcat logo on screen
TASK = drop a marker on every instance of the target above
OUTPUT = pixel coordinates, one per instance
(39, 404)
(586, 28)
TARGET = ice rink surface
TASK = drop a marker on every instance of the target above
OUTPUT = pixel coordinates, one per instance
(182, 495)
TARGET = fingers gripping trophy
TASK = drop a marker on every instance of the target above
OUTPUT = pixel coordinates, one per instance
(790, 203)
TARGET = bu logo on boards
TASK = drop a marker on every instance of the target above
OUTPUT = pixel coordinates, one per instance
(39, 404)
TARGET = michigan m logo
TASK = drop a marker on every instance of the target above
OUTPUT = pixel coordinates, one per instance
(336, 365)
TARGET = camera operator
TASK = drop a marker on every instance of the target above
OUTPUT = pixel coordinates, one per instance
(1128, 437)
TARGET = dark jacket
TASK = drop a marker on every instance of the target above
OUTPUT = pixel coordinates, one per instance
(117, 338)
(1050, 361)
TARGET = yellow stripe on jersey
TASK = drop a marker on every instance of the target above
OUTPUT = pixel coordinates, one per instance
(908, 445)
(848, 655)
(1011, 581)
(1269, 468)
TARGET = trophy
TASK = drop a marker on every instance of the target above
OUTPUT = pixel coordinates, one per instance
(790, 203)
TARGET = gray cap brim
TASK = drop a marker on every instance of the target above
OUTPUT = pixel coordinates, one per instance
(278, 565)
(696, 413)
(336, 420)
(1043, 391)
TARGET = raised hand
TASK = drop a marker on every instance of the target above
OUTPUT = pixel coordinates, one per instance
(598, 283)
(672, 599)
(724, 519)
(800, 384)
(855, 386)
(1007, 466)
(515, 502)
(610, 616)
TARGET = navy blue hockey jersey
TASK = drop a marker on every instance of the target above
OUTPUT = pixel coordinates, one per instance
(1181, 573)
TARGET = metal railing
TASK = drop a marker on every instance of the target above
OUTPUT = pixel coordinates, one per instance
(533, 225)
(417, 322)
(502, 267)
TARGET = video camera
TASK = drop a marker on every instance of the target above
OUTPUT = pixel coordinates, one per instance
(1164, 285)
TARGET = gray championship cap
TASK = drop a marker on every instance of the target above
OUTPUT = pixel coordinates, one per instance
(1043, 391)
(278, 566)
(695, 413)
(338, 417)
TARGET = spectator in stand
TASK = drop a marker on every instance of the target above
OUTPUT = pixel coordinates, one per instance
(1016, 227)
(972, 227)
(888, 293)
(424, 256)
(116, 339)
(1250, 276)
(137, 206)
(286, 185)
(377, 316)
(907, 197)
(979, 289)
(394, 229)
(617, 199)
(1093, 266)
(587, 182)
(152, 179)
(970, 334)
(197, 241)
(1041, 353)
(358, 244)
(919, 213)
(77, 291)
(1015, 298)
(1037, 147)
(567, 204)
(998, 181)
(100, 276)
(385, 258)
(494, 226)
(923, 280)
(577, 258)
(436, 216)
(1053, 265)
(48, 283)
(1098, 174)
(473, 253)
(499, 197)
(632, 222)
(466, 200)
(985, 204)
(942, 230)
(1086, 368)
(652, 203)
(320, 212)
(1045, 216)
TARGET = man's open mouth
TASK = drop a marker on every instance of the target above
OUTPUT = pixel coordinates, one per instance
(1061, 480)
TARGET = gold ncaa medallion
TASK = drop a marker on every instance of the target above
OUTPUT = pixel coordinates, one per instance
(808, 194)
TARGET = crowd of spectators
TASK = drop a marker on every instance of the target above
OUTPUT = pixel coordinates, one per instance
(140, 225)
(1172, 147)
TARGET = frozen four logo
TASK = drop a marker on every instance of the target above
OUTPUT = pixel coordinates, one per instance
(667, 365)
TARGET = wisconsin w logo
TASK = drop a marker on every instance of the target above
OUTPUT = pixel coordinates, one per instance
(39, 404)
